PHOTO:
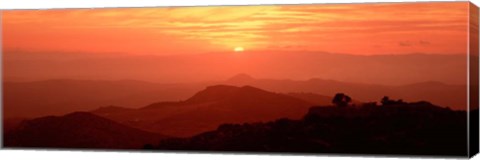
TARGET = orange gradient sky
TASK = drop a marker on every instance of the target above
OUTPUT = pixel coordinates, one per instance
(363, 29)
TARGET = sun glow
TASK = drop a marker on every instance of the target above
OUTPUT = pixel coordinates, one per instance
(238, 49)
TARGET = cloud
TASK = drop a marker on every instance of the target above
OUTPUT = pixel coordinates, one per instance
(333, 25)
(405, 44)
(412, 43)
(421, 42)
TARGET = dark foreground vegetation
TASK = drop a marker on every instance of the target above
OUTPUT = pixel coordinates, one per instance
(394, 127)
(390, 127)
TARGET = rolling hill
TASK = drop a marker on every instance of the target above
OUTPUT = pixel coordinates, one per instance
(210, 107)
(77, 130)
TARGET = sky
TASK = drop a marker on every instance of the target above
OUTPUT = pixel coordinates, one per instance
(358, 29)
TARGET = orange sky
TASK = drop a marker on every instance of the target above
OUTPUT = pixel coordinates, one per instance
(365, 29)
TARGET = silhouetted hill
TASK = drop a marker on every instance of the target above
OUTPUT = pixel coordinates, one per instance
(77, 130)
(435, 92)
(246, 96)
(216, 93)
(240, 79)
(9, 124)
(408, 129)
(210, 107)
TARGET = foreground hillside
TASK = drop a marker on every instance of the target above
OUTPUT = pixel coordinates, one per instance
(400, 128)
(209, 108)
(77, 130)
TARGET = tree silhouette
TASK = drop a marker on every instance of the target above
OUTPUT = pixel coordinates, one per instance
(387, 101)
(341, 100)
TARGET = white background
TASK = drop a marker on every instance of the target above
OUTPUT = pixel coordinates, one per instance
(83, 155)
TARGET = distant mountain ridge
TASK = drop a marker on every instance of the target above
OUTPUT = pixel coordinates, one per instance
(58, 97)
(453, 96)
(377, 69)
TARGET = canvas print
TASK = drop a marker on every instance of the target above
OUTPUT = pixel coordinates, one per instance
(372, 78)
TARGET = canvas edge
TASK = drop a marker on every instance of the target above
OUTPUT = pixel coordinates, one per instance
(472, 82)
(239, 5)
(1, 79)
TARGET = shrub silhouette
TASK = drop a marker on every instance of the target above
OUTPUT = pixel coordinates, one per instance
(387, 101)
(369, 104)
(341, 100)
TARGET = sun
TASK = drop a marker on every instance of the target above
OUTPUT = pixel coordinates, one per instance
(238, 49)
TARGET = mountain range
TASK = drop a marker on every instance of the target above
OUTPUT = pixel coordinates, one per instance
(448, 95)
(58, 97)
(226, 116)
(189, 68)
(209, 108)
(114, 127)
